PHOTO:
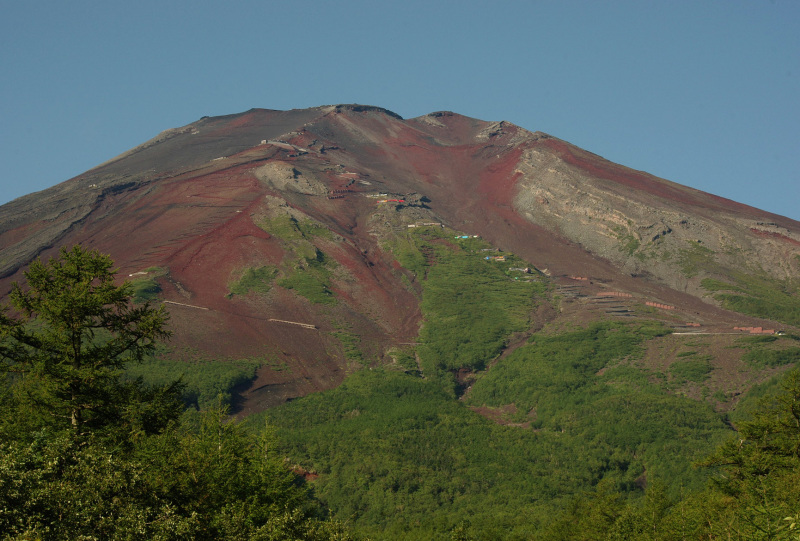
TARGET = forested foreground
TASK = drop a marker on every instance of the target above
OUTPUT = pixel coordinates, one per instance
(400, 459)
(86, 453)
(567, 437)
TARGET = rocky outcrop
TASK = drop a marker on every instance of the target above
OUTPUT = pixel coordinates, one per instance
(643, 233)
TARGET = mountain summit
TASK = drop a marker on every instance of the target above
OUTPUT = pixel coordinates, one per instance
(278, 235)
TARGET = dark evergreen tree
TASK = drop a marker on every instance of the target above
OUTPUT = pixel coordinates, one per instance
(759, 469)
(69, 333)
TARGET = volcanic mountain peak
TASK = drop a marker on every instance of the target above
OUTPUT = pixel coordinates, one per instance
(316, 207)
(357, 108)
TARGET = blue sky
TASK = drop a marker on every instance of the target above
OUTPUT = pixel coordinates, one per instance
(704, 93)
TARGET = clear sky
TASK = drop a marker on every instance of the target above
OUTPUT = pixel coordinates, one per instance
(704, 93)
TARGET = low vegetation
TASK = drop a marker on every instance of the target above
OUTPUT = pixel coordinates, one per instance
(310, 278)
(628, 242)
(206, 383)
(145, 286)
(308, 270)
(471, 302)
(696, 371)
(696, 258)
(759, 296)
(752, 292)
(350, 344)
(257, 279)
(770, 351)
(289, 229)
(772, 358)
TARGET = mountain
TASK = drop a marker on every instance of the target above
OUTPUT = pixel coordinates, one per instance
(277, 236)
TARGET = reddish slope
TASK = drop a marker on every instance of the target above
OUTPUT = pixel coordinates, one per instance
(189, 201)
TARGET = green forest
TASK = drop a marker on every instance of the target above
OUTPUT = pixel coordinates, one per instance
(565, 436)
(583, 442)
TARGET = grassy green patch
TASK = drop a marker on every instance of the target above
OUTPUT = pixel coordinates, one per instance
(694, 370)
(755, 294)
(628, 242)
(470, 309)
(207, 381)
(551, 373)
(350, 343)
(288, 228)
(311, 282)
(406, 359)
(769, 351)
(257, 279)
(308, 272)
(750, 341)
(408, 254)
(145, 288)
(771, 358)
(713, 285)
(471, 304)
(765, 297)
(696, 258)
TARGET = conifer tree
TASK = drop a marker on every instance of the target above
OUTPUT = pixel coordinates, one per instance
(69, 332)
(760, 467)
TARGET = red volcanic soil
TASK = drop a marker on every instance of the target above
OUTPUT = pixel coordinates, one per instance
(375, 290)
(774, 235)
(200, 230)
(170, 218)
(498, 184)
(199, 227)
